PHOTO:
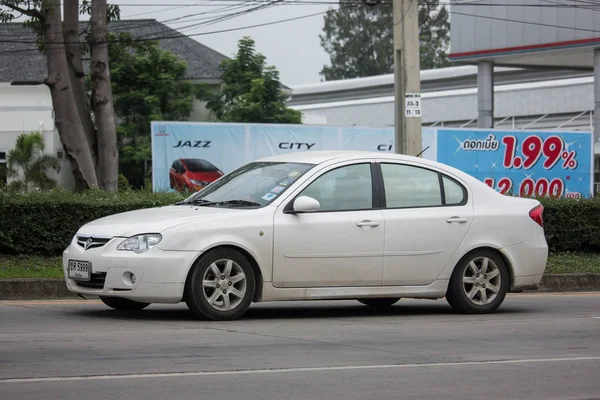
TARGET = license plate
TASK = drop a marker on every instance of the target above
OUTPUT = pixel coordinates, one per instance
(80, 270)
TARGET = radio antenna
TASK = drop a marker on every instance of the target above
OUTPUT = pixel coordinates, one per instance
(422, 151)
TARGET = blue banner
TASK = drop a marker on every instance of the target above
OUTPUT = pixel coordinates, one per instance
(524, 163)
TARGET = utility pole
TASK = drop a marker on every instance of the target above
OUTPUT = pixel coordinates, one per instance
(407, 77)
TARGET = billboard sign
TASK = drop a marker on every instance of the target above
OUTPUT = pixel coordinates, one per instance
(525, 163)
(190, 155)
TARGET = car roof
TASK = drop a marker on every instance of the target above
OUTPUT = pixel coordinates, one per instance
(319, 157)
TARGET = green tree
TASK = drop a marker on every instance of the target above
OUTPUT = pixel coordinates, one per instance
(28, 165)
(148, 84)
(90, 146)
(250, 90)
(359, 39)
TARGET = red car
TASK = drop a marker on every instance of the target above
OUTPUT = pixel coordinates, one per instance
(192, 174)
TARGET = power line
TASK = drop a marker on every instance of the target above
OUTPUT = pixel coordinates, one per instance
(130, 24)
(333, 2)
(272, 3)
(230, 7)
(127, 27)
(179, 35)
(245, 3)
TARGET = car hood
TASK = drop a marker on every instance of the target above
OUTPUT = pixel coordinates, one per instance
(150, 220)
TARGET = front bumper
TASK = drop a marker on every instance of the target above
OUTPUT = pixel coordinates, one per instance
(159, 275)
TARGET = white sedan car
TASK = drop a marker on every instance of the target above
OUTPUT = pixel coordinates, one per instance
(374, 227)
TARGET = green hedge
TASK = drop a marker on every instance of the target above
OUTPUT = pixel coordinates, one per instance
(43, 223)
(572, 225)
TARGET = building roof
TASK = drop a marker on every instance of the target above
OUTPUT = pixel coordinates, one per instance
(22, 62)
(441, 80)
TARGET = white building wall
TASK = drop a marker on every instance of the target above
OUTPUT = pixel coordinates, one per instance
(25, 109)
(563, 96)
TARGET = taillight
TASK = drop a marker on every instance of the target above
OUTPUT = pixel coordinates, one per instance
(537, 214)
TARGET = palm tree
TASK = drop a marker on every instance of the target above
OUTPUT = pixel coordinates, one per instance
(27, 163)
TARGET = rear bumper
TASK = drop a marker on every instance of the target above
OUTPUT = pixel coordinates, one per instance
(528, 260)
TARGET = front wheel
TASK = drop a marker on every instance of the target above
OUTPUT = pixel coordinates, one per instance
(379, 302)
(221, 286)
(119, 303)
(479, 283)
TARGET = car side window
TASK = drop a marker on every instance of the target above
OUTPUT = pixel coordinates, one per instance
(344, 188)
(177, 166)
(407, 186)
(454, 193)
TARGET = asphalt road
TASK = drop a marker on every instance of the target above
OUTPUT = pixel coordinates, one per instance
(535, 347)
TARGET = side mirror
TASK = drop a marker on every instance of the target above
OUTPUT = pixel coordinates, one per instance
(306, 204)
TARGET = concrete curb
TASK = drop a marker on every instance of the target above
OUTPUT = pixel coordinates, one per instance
(570, 283)
(41, 289)
(34, 289)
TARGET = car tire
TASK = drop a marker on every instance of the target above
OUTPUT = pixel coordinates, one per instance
(379, 302)
(479, 283)
(223, 296)
(119, 303)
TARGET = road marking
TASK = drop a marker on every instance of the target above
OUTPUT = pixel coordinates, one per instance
(290, 370)
(47, 303)
(76, 302)
(562, 294)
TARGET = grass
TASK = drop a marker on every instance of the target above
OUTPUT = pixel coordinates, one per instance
(30, 267)
(50, 267)
(572, 263)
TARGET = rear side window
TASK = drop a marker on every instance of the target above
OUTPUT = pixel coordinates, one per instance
(454, 193)
(407, 186)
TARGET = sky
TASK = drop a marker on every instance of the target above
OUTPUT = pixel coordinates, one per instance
(293, 47)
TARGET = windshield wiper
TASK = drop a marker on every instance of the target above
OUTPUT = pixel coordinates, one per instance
(198, 202)
(202, 202)
(238, 203)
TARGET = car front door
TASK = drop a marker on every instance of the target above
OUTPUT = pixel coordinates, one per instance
(340, 244)
(427, 214)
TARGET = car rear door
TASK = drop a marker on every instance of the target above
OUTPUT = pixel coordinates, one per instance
(427, 214)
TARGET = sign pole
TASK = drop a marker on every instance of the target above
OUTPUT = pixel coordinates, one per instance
(407, 78)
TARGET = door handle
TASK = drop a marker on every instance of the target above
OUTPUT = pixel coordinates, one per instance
(456, 219)
(367, 223)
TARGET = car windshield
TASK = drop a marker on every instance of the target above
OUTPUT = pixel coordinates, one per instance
(253, 185)
(195, 165)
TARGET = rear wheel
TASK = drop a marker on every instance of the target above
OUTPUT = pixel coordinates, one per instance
(119, 303)
(479, 283)
(221, 286)
(379, 302)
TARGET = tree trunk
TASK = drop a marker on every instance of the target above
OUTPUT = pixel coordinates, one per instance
(67, 122)
(102, 101)
(76, 74)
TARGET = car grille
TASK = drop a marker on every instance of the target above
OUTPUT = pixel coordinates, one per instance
(96, 242)
(96, 281)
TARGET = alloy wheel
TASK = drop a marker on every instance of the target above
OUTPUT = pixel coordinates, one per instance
(224, 285)
(481, 281)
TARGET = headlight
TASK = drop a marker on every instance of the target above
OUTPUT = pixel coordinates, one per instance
(199, 183)
(140, 243)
